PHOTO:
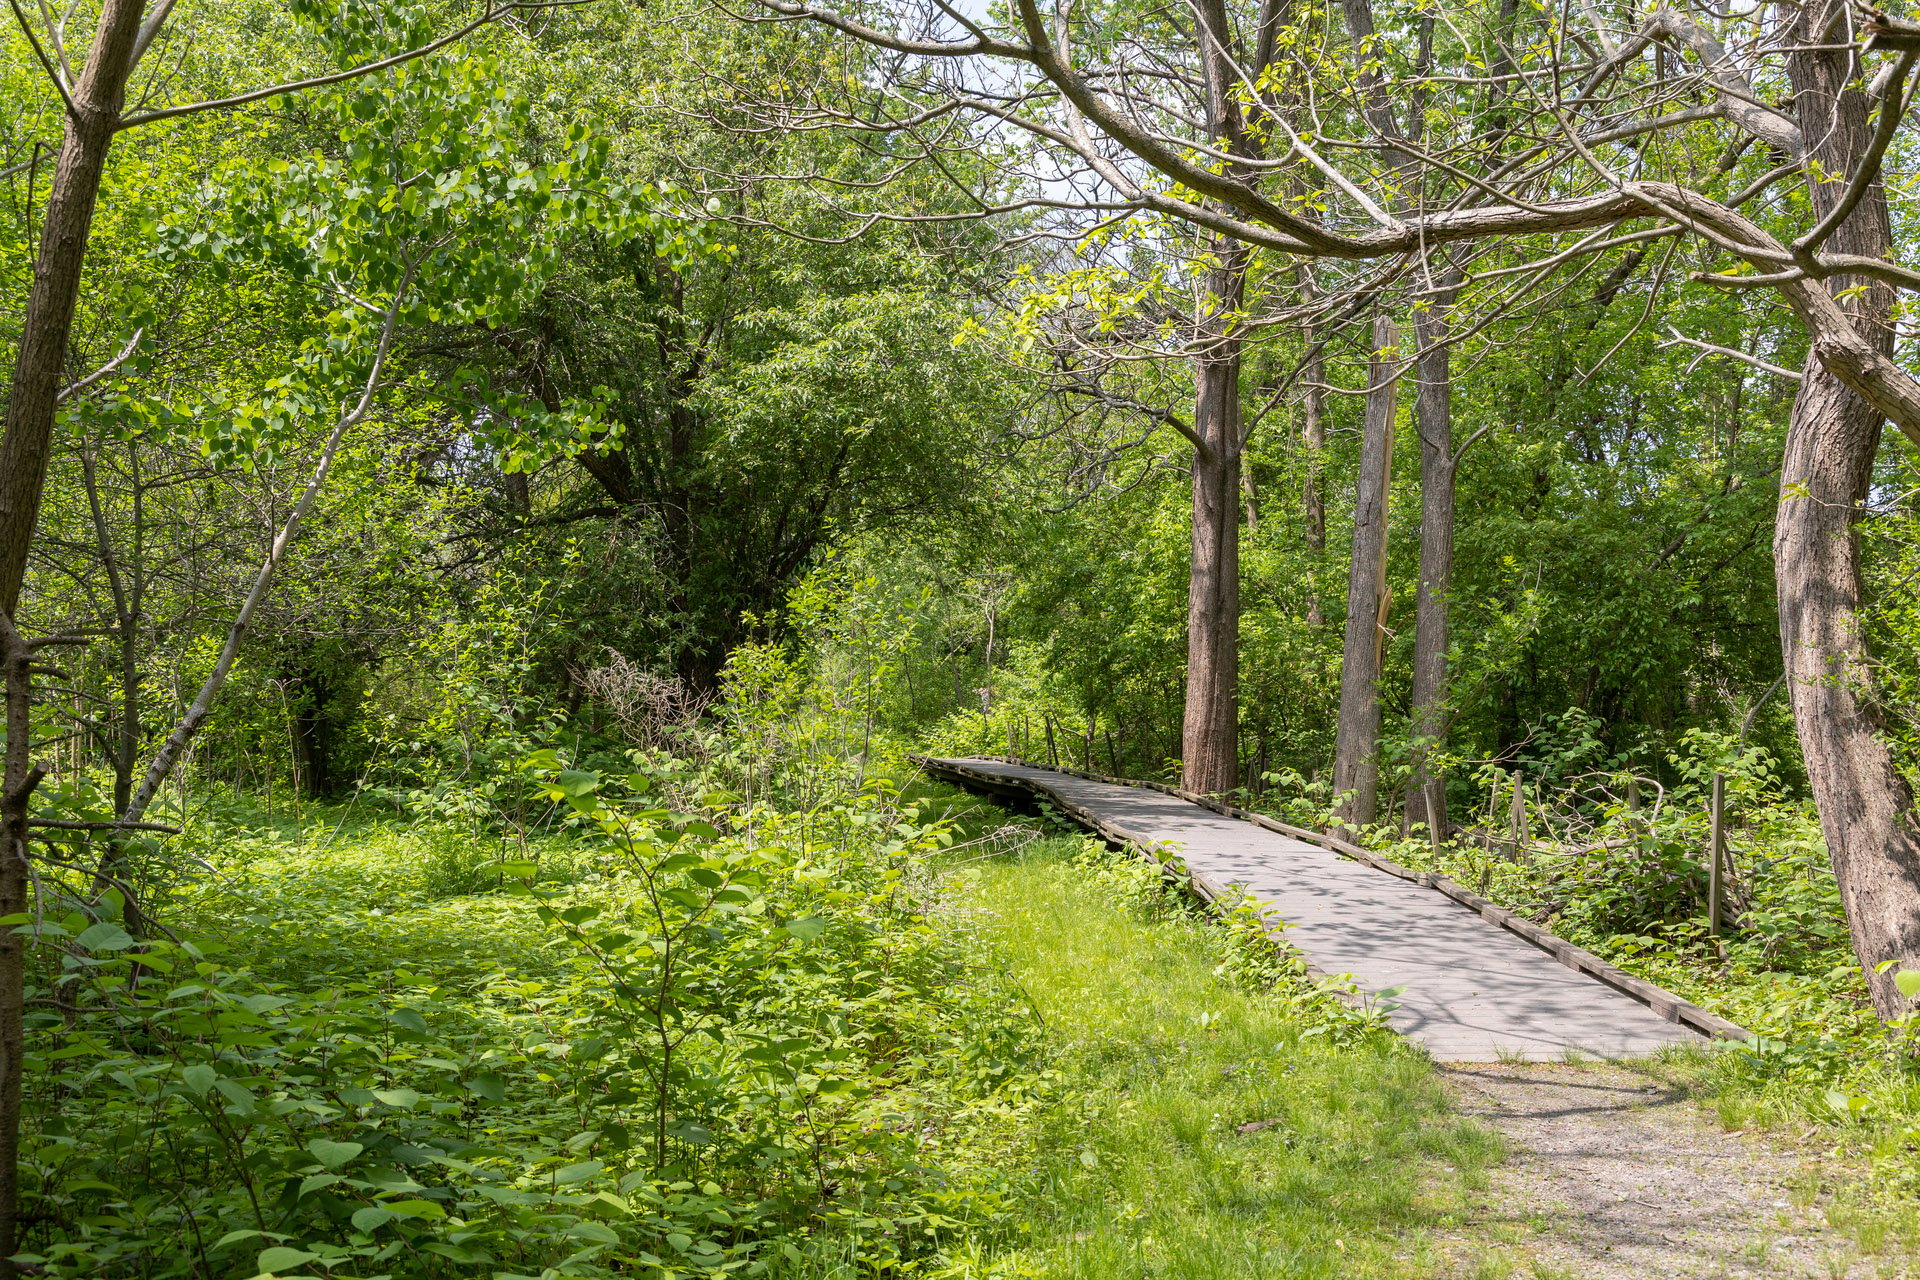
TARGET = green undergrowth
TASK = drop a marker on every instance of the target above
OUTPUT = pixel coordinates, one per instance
(896, 1034)
(629, 1041)
(1218, 1114)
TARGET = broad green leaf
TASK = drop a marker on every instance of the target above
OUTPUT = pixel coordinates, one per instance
(371, 1218)
(105, 936)
(280, 1257)
(333, 1154)
(595, 1232)
(692, 1134)
(490, 1087)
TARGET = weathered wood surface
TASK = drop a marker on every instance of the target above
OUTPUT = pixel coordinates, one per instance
(1479, 984)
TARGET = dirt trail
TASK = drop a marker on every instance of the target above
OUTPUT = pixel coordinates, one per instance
(1614, 1176)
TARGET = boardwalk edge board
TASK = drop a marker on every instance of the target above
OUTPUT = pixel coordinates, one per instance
(1663, 1002)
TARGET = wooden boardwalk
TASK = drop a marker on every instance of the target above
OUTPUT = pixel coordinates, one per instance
(1474, 991)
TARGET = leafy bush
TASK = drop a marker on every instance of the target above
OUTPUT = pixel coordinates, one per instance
(655, 1046)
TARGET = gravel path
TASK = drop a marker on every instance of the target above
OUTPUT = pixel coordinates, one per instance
(1614, 1176)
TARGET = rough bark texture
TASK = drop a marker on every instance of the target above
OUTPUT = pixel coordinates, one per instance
(1209, 738)
(45, 334)
(1433, 418)
(47, 328)
(21, 778)
(1210, 726)
(1866, 809)
(1356, 760)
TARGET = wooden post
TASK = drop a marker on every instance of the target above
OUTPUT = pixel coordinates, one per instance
(1435, 836)
(1636, 825)
(1517, 817)
(1716, 852)
(1046, 721)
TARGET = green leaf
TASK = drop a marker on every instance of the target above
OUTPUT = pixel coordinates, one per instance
(402, 1098)
(236, 1093)
(426, 1209)
(595, 1232)
(333, 1154)
(279, 1258)
(809, 929)
(246, 1233)
(199, 1077)
(371, 1218)
(577, 1172)
(105, 936)
(492, 1088)
(692, 1134)
(454, 1252)
(1908, 981)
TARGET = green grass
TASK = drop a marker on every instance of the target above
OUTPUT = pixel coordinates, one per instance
(1161, 1062)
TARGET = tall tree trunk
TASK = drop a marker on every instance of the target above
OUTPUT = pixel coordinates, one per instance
(1356, 759)
(1866, 809)
(1433, 418)
(47, 328)
(46, 331)
(1209, 739)
(22, 776)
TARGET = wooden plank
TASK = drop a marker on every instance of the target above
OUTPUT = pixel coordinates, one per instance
(1477, 995)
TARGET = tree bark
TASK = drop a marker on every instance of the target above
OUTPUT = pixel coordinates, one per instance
(1439, 466)
(47, 328)
(1866, 808)
(1209, 738)
(15, 879)
(1356, 761)
(46, 332)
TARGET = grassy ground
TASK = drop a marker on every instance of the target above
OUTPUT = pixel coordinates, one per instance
(1208, 1132)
